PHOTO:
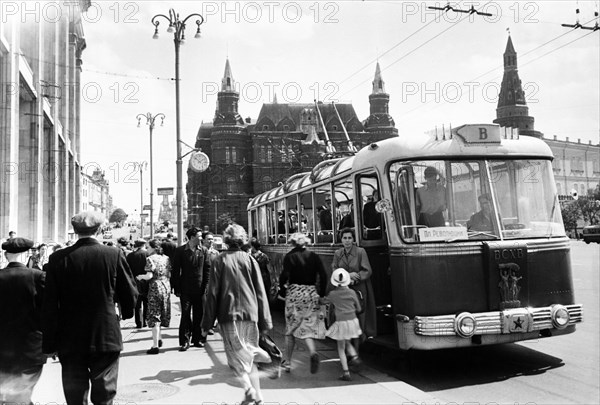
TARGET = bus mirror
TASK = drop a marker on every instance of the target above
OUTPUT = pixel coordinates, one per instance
(383, 206)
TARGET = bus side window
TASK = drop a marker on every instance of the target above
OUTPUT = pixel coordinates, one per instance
(372, 220)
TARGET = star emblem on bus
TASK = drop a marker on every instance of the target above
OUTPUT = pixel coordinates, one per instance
(518, 323)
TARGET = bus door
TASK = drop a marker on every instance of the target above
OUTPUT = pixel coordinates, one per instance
(371, 236)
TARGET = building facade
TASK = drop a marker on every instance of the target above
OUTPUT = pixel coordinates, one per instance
(576, 165)
(40, 104)
(249, 156)
(95, 193)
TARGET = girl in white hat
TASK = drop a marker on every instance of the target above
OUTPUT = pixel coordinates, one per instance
(346, 325)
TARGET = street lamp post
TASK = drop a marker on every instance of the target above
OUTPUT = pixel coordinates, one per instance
(142, 165)
(150, 122)
(177, 27)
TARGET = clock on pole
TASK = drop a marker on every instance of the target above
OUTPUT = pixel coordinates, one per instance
(199, 162)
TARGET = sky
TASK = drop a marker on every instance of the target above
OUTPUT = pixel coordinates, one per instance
(438, 68)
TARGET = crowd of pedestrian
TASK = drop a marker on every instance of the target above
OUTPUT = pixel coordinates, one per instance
(68, 303)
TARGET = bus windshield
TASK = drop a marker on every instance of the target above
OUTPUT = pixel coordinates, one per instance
(451, 200)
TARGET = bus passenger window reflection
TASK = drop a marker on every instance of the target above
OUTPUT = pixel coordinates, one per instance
(431, 200)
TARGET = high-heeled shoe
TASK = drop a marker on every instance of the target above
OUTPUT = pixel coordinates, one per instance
(249, 397)
(159, 342)
(153, 350)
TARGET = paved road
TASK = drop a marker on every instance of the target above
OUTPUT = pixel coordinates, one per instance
(558, 370)
(201, 376)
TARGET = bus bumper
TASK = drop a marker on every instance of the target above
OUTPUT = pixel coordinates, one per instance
(486, 328)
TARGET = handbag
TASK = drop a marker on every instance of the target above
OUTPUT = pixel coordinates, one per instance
(273, 369)
(361, 301)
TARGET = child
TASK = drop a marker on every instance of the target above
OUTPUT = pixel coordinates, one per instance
(346, 324)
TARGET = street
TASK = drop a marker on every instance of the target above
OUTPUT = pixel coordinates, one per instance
(548, 371)
(561, 370)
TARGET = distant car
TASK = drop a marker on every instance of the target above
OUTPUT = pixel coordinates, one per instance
(591, 233)
(218, 243)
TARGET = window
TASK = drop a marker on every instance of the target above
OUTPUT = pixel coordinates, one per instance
(343, 210)
(369, 195)
(231, 184)
(286, 127)
(266, 183)
(227, 154)
(483, 199)
(262, 154)
(324, 214)
(269, 154)
(306, 215)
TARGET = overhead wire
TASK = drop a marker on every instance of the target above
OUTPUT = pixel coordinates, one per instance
(408, 53)
(521, 65)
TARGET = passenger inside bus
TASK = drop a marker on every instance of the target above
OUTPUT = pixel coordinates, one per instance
(372, 218)
(482, 220)
(347, 220)
(325, 217)
(431, 200)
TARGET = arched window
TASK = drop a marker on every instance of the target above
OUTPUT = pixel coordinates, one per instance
(231, 184)
(266, 183)
(262, 154)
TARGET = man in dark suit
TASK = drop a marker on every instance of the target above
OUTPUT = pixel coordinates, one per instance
(79, 321)
(137, 264)
(191, 270)
(21, 296)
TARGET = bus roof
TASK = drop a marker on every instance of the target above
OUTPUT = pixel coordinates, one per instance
(430, 146)
(467, 141)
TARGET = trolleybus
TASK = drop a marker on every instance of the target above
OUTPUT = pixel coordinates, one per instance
(460, 276)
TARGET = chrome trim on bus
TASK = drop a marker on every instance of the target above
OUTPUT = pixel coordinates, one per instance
(474, 248)
(548, 244)
(436, 250)
(492, 322)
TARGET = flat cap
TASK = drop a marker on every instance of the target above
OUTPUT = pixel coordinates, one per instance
(17, 245)
(87, 222)
(139, 242)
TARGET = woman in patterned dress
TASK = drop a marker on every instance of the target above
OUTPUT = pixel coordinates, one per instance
(302, 269)
(158, 271)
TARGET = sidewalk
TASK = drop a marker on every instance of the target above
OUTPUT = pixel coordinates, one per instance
(201, 376)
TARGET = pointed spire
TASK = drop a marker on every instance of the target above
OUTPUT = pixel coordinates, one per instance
(274, 98)
(227, 83)
(378, 83)
(510, 55)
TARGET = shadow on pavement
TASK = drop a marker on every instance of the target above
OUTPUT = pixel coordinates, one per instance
(452, 368)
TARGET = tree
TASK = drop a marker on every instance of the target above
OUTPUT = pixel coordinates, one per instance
(571, 212)
(118, 216)
(225, 219)
(590, 206)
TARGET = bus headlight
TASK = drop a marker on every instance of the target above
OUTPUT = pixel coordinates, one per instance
(465, 325)
(560, 316)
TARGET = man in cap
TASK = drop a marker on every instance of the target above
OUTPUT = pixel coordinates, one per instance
(21, 296)
(191, 271)
(83, 282)
(137, 263)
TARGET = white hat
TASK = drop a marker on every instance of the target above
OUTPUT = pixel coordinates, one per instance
(340, 277)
